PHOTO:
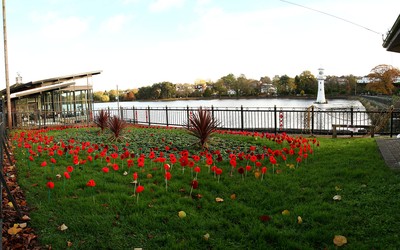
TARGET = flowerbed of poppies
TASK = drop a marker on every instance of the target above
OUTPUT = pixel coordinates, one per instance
(155, 189)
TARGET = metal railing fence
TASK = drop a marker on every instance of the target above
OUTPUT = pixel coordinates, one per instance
(311, 120)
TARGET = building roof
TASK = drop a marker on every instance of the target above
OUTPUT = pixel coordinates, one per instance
(49, 81)
(392, 40)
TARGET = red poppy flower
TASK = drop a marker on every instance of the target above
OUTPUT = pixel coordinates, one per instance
(209, 161)
(248, 168)
(272, 160)
(253, 158)
(115, 167)
(135, 176)
(108, 159)
(264, 170)
(241, 170)
(139, 189)
(196, 169)
(91, 183)
(105, 169)
(258, 164)
(90, 158)
(233, 162)
(130, 162)
(152, 155)
(214, 168)
(166, 148)
(66, 175)
(218, 171)
(167, 167)
(195, 184)
(44, 164)
(114, 156)
(70, 169)
(167, 176)
(31, 158)
(298, 159)
(50, 184)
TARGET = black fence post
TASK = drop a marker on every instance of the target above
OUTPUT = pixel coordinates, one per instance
(351, 119)
(188, 116)
(148, 114)
(212, 112)
(121, 110)
(166, 115)
(312, 120)
(275, 121)
(133, 115)
(241, 117)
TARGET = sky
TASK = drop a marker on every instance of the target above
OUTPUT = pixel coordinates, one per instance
(138, 43)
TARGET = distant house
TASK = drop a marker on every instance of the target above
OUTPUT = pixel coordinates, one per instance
(268, 88)
(57, 100)
(363, 80)
(392, 40)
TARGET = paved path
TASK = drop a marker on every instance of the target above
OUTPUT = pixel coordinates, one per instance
(390, 150)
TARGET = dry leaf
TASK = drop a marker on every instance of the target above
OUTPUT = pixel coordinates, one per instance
(125, 173)
(219, 199)
(69, 244)
(22, 225)
(337, 188)
(233, 196)
(285, 212)
(63, 227)
(337, 197)
(206, 236)
(25, 218)
(339, 240)
(10, 204)
(257, 174)
(14, 230)
(299, 220)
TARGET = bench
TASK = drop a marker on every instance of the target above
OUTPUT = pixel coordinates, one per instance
(367, 127)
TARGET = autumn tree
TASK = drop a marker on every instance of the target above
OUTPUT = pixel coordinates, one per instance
(307, 82)
(382, 78)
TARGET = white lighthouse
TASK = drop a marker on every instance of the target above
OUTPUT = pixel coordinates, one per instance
(321, 89)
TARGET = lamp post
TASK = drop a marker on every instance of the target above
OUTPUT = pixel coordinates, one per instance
(6, 67)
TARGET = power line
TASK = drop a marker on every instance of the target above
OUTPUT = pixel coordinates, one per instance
(325, 13)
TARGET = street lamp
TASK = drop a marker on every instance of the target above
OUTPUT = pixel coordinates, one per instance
(6, 66)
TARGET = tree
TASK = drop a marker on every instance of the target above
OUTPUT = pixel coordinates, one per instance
(382, 78)
(230, 83)
(307, 82)
(220, 88)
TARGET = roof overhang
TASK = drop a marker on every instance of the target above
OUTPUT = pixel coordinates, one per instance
(41, 89)
(392, 40)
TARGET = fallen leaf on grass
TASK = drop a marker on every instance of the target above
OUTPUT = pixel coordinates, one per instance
(285, 212)
(219, 199)
(14, 230)
(63, 227)
(69, 244)
(339, 240)
(206, 236)
(22, 225)
(337, 197)
(337, 188)
(299, 220)
(10, 204)
(233, 196)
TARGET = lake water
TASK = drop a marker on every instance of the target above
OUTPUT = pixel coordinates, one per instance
(232, 103)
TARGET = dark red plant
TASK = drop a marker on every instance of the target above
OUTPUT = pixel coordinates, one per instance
(116, 125)
(101, 120)
(202, 126)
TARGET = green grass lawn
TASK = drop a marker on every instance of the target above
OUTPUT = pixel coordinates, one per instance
(110, 215)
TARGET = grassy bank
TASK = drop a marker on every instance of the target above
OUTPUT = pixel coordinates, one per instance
(290, 206)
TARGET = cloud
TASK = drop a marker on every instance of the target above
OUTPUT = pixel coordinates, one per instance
(115, 23)
(162, 5)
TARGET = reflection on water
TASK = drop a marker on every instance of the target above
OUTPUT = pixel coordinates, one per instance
(247, 103)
